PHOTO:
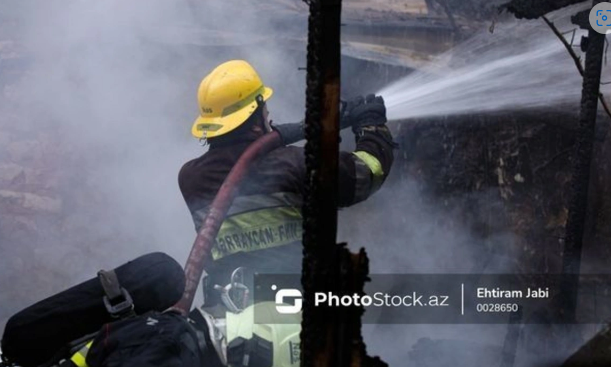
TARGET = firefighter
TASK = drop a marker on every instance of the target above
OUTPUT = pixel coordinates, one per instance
(263, 228)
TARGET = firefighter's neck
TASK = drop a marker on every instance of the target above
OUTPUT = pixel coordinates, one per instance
(257, 130)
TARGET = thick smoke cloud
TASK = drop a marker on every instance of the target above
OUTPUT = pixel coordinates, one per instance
(112, 86)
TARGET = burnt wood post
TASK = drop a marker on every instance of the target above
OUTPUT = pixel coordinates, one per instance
(330, 337)
(582, 162)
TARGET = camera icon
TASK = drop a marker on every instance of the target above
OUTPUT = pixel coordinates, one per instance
(600, 17)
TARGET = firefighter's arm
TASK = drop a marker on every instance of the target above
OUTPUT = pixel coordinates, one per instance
(363, 171)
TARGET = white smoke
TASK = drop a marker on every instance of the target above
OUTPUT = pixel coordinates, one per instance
(112, 85)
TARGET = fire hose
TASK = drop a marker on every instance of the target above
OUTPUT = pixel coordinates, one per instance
(201, 250)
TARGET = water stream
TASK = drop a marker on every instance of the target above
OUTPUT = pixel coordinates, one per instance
(521, 65)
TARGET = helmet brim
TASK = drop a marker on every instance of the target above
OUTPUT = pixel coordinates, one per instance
(210, 127)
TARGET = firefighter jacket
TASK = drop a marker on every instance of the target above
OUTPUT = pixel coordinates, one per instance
(263, 227)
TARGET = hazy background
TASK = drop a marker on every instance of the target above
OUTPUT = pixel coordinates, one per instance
(98, 123)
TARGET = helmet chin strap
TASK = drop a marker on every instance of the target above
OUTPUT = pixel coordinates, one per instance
(259, 99)
(203, 141)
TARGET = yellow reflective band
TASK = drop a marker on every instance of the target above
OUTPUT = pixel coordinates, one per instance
(244, 102)
(372, 162)
(257, 230)
(79, 358)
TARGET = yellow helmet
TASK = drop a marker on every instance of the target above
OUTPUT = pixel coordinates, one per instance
(227, 98)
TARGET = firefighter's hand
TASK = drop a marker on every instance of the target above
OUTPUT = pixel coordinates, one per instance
(361, 112)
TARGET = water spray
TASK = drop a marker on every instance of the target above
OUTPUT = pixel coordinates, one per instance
(521, 66)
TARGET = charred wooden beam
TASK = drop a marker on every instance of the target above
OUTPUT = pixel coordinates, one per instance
(330, 337)
(320, 330)
(580, 181)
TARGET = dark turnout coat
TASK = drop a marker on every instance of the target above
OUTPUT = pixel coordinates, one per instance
(263, 228)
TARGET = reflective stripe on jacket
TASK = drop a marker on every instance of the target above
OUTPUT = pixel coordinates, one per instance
(258, 222)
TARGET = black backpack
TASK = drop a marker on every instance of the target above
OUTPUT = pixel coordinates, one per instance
(50, 330)
(154, 339)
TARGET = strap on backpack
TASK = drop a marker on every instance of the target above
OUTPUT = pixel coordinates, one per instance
(117, 300)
